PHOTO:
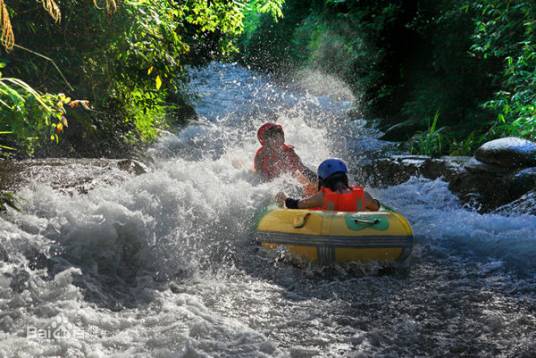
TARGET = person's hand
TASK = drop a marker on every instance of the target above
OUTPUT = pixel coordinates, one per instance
(280, 199)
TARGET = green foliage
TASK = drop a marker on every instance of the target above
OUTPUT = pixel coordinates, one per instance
(253, 12)
(430, 142)
(148, 112)
(439, 141)
(270, 7)
(130, 65)
(466, 144)
(28, 116)
(506, 32)
(474, 61)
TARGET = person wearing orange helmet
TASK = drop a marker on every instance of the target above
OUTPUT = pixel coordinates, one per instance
(275, 158)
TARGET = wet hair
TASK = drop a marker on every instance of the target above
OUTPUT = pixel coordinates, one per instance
(271, 131)
(334, 182)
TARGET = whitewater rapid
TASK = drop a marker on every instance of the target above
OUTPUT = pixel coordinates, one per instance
(162, 264)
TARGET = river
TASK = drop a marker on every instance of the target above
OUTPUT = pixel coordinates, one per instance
(162, 264)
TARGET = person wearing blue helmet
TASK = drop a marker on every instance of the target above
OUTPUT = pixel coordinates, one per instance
(334, 192)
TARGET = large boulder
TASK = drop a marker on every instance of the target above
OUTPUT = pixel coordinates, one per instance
(509, 152)
(486, 190)
(490, 186)
(397, 169)
(476, 167)
(447, 167)
(523, 181)
(485, 186)
(388, 171)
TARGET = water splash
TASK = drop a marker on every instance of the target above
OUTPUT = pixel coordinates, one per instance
(438, 217)
(161, 264)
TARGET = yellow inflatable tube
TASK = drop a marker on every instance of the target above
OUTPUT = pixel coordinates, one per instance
(327, 237)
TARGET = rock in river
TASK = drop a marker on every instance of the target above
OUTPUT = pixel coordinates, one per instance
(523, 181)
(487, 186)
(509, 152)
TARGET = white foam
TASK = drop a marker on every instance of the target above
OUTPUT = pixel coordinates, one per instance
(437, 216)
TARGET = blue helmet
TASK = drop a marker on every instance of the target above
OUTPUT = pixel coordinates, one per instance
(331, 166)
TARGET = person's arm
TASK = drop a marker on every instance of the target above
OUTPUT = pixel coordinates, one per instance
(308, 173)
(259, 156)
(297, 164)
(371, 203)
(305, 171)
(314, 201)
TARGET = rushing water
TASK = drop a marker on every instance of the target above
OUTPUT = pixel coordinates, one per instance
(162, 264)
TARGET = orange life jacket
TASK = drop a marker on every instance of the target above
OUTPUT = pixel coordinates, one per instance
(351, 201)
(274, 163)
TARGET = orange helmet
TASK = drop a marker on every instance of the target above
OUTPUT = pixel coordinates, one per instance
(264, 128)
